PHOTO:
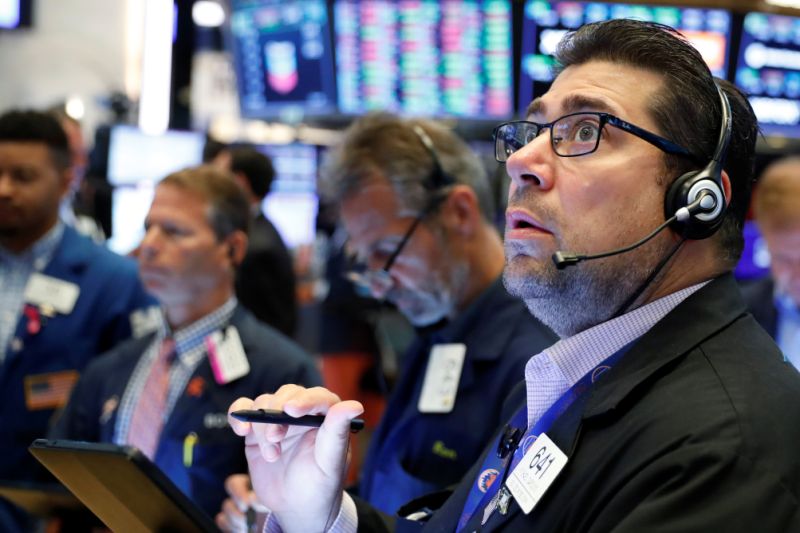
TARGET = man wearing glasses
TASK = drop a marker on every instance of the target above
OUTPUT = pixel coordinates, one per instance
(670, 409)
(417, 208)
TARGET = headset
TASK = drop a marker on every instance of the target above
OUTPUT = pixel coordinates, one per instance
(689, 187)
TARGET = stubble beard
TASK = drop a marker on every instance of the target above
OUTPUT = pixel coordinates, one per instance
(575, 299)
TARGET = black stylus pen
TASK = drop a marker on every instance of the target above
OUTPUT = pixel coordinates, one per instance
(267, 416)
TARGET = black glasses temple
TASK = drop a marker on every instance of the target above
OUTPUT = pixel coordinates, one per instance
(656, 140)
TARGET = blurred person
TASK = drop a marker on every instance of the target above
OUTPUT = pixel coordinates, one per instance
(265, 282)
(72, 208)
(416, 206)
(167, 393)
(63, 299)
(664, 406)
(775, 299)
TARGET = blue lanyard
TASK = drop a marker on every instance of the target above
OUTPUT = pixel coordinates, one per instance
(495, 466)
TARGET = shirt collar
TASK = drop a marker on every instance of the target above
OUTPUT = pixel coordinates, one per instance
(576, 355)
(41, 251)
(190, 337)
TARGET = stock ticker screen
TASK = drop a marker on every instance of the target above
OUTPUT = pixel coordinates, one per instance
(282, 56)
(424, 57)
(545, 23)
(768, 70)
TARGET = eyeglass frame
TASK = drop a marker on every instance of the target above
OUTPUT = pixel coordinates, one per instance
(658, 141)
(437, 180)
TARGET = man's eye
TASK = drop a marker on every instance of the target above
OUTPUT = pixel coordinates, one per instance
(585, 132)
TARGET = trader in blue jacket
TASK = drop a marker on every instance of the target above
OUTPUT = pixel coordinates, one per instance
(418, 210)
(63, 299)
(168, 393)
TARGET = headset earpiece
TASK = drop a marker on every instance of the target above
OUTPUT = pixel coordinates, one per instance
(685, 190)
(690, 186)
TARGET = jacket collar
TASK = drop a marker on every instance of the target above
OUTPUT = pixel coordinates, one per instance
(698, 317)
(73, 253)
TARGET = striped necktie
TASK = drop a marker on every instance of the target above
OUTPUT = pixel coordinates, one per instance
(148, 416)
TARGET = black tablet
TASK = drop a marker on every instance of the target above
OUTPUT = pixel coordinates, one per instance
(121, 486)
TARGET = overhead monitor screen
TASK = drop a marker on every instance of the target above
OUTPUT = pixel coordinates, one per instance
(545, 23)
(136, 162)
(282, 56)
(134, 156)
(768, 70)
(425, 57)
(129, 207)
(292, 204)
(15, 14)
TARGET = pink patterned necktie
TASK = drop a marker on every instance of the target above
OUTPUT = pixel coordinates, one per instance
(148, 415)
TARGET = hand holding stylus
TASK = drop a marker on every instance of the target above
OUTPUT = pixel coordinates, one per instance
(296, 471)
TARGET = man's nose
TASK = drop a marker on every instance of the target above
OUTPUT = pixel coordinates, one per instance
(529, 166)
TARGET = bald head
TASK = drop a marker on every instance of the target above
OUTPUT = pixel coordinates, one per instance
(777, 199)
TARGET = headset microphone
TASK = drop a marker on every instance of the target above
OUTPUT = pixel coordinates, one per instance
(705, 203)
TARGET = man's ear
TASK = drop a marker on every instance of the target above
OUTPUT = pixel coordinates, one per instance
(727, 188)
(461, 212)
(236, 244)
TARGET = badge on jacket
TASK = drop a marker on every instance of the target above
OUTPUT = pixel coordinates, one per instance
(440, 385)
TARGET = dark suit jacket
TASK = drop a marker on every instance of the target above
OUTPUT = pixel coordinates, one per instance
(110, 291)
(695, 429)
(759, 296)
(91, 414)
(265, 282)
(413, 453)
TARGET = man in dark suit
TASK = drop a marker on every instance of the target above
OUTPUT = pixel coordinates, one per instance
(265, 282)
(664, 406)
(167, 393)
(775, 299)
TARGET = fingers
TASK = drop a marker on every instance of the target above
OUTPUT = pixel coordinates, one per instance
(239, 427)
(334, 436)
(239, 489)
(297, 401)
(231, 519)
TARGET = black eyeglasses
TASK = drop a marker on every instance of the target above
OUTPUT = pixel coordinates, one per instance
(573, 135)
(380, 281)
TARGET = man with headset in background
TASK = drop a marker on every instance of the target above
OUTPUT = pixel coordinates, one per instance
(416, 205)
(664, 406)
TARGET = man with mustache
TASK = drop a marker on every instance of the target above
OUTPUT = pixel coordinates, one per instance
(664, 406)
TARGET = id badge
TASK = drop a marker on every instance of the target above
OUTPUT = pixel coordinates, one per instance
(442, 377)
(536, 472)
(49, 292)
(226, 355)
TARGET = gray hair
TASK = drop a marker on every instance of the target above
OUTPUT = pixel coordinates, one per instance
(382, 146)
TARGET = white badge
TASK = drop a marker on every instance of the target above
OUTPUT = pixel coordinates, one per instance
(47, 291)
(144, 321)
(536, 472)
(226, 355)
(441, 378)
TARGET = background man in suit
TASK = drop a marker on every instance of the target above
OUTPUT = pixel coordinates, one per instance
(63, 299)
(775, 299)
(265, 282)
(664, 406)
(167, 393)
